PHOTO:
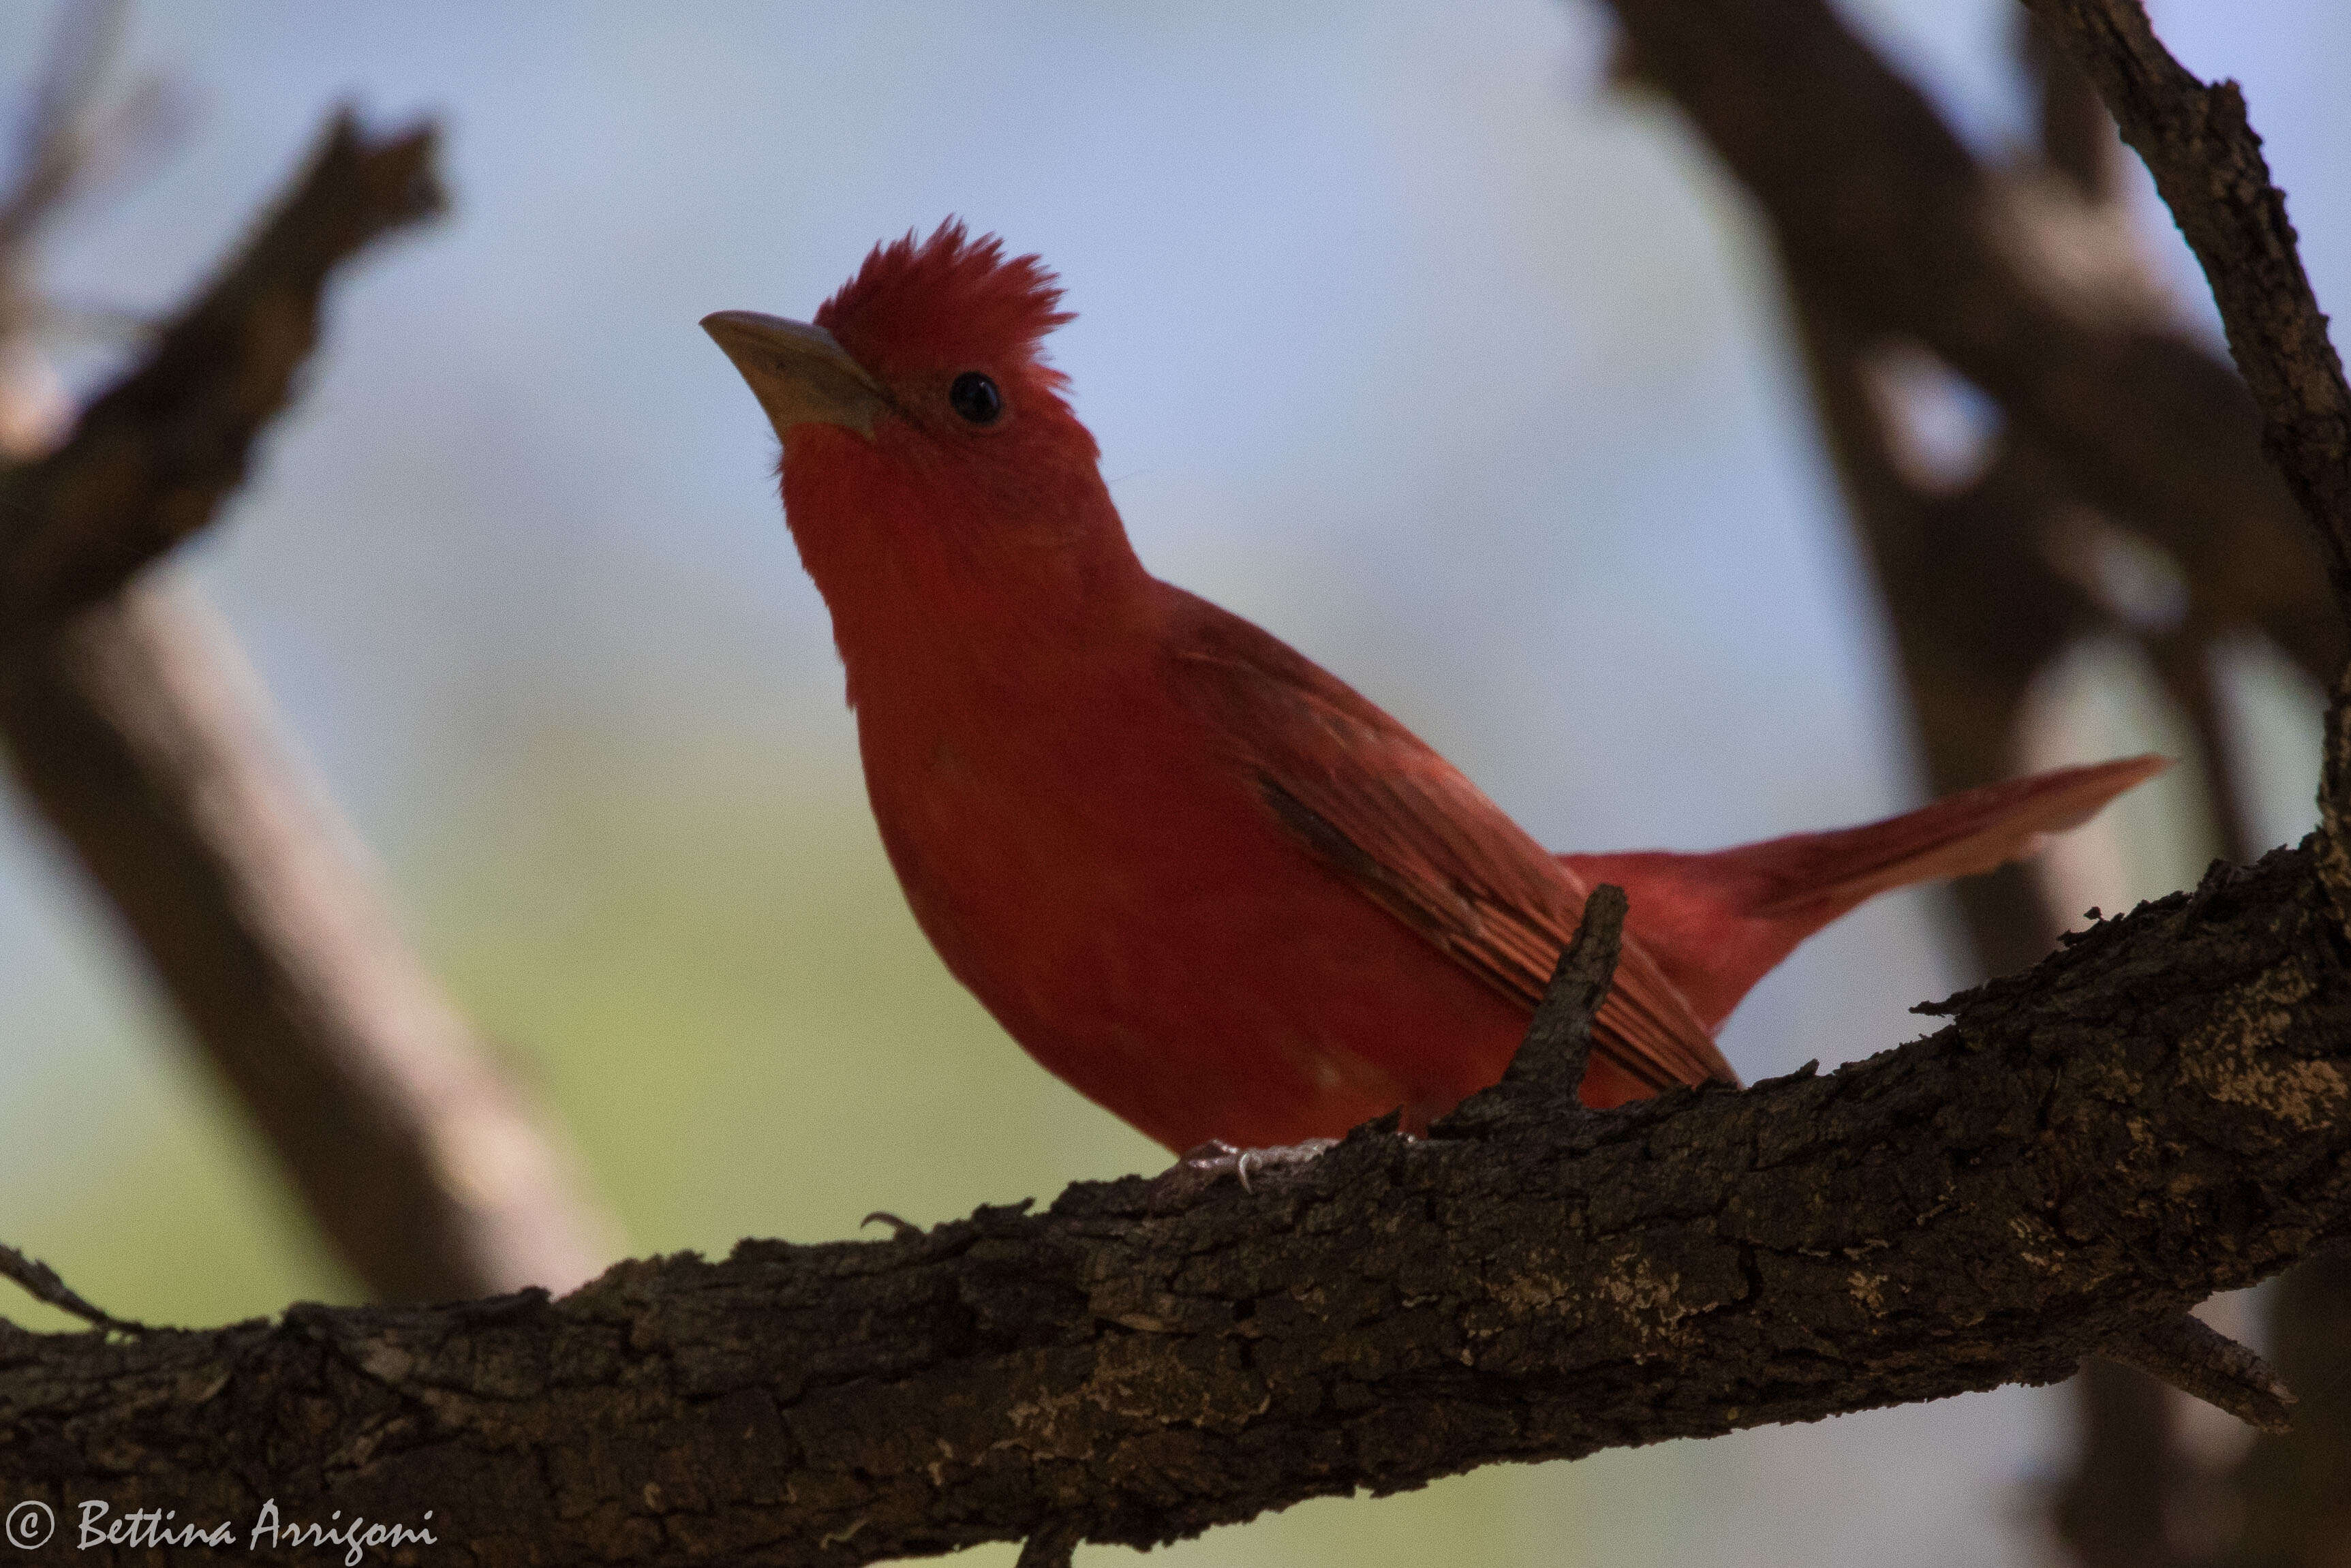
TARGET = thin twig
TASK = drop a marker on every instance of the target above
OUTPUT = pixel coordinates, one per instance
(1557, 1044)
(2194, 1357)
(41, 1283)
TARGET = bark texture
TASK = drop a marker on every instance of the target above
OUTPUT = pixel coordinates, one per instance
(2207, 164)
(2156, 1113)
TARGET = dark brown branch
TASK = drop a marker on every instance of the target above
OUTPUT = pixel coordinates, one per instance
(2192, 1357)
(1978, 612)
(1548, 1070)
(2160, 1111)
(2207, 165)
(1558, 1046)
(152, 458)
(1859, 178)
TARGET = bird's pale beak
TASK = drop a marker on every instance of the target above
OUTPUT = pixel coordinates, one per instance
(799, 374)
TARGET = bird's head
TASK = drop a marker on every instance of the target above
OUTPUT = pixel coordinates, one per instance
(940, 339)
(929, 457)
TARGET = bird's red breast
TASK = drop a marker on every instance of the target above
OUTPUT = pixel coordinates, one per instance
(1194, 875)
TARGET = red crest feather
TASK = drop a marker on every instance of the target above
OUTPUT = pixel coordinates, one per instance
(947, 301)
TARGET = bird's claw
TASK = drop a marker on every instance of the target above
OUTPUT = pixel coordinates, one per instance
(899, 1229)
(1200, 1166)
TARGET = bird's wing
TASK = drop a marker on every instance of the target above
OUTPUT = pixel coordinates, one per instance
(1377, 806)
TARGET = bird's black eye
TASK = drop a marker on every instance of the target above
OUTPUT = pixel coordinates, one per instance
(974, 397)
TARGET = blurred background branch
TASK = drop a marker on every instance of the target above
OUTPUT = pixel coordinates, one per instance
(1903, 257)
(134, 729)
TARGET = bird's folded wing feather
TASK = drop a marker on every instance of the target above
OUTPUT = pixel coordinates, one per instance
(1377, 806)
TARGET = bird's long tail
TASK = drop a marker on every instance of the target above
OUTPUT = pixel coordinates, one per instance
(1717, 921)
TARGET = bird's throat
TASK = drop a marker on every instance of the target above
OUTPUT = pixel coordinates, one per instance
(1016, 599)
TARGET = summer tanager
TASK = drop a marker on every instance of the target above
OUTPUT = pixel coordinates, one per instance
(1192, 872)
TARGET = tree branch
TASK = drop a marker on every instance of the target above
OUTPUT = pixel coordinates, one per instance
(2195, 1358)
(2156, 1113)
(2161, 1110)
(1975, 585)
(40, 1281)
(2207, 165)
(153, 457)
(1557, 1049)
(133, 727)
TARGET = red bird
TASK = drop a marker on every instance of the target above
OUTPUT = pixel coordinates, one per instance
(1192, 872)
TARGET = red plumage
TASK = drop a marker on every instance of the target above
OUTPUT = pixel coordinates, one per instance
(1191, 872)
(947, 299)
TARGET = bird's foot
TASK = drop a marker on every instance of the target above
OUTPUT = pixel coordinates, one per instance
(1202, 1166)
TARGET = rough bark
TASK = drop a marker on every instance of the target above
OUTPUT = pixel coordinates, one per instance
(1973, 585)
(2155, 1112)
(2207, 162)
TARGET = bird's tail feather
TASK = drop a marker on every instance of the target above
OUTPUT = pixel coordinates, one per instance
(1719, 921)
(1959, 835)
